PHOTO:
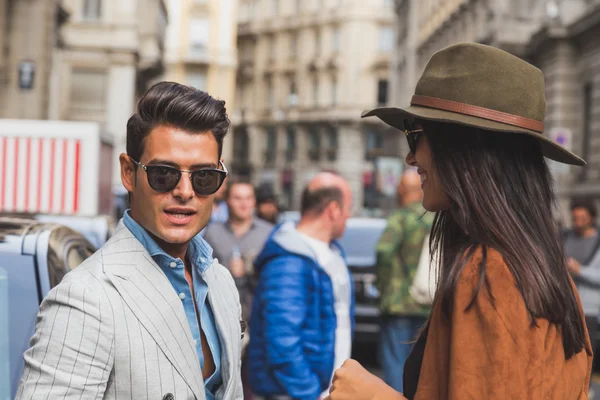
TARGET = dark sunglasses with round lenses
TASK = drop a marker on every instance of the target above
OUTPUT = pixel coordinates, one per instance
(412, 136)
(164, 178)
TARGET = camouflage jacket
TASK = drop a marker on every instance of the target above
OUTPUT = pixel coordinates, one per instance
(398, 253)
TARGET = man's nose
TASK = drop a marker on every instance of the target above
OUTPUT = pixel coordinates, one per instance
(184, 189)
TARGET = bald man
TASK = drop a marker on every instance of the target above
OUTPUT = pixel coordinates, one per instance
(398, 253)
(303, 312)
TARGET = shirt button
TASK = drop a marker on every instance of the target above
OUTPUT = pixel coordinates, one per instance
(173, 264)
(195, 342)
(182, 296)
(202, 259)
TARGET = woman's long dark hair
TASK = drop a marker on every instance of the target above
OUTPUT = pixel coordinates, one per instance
(502, 198)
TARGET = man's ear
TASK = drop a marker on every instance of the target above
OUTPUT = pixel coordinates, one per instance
(127, 172)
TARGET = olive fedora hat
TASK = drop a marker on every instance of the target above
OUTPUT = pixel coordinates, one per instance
(480, 86)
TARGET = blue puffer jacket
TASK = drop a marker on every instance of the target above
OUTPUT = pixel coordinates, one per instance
(292, 328)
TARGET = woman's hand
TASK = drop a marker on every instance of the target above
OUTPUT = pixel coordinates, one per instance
(352, 382)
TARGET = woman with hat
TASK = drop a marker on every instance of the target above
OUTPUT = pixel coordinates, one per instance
(506, 322)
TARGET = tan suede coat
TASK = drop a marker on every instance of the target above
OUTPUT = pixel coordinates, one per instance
(493, 352)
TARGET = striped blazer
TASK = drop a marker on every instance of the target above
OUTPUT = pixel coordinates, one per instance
(114, 328)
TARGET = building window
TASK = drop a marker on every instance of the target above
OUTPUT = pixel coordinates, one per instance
(374, 144)
(270, 94)
(88, 91)
(317, 42)
(275, 7)
(270, 43)
(588, 92)
(293, 95)
(386, 39)
(334, 89)
(290, 143)
(314, 145)
(197, 79)
(271, 150)
(241, 151)
(332, 144)
(335, 40)
(92, 9)
(293, 45)
(298, 6)
(198, 36)
(382, 92)
(316, 91)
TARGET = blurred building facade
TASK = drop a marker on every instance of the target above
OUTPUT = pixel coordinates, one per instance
(560, 37)
(29, 33)
(201, 49)
(80, 60)
(113, 51)
(307, 69)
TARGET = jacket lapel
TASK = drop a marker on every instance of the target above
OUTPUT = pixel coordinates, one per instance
(149, 294)
(226, 310)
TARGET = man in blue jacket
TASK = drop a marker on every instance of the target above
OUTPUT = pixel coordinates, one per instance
(303, 311)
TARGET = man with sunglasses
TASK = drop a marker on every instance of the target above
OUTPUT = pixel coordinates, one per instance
(151, 315)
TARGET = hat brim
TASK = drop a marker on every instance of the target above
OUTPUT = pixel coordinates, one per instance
(395, 117)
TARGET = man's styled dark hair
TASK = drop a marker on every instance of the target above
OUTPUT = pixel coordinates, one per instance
(586, 204)
(179, 106)
(316, 201)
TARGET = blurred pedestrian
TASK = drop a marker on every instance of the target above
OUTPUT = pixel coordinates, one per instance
(220, 211)
(506, 321)
(151, 315)
(302, 316)
(581, 247)
(398, 253)
(267, 206)
(237, 241)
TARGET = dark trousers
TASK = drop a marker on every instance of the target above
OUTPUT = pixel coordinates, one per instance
(398, 335)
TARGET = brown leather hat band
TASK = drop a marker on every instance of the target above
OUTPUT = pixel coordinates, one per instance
(476, 111)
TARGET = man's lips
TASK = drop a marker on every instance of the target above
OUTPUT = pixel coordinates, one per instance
(180, 215)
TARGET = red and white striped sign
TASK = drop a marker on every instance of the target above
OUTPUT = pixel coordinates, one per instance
(40, 175)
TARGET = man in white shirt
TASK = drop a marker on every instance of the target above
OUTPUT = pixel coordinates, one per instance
(302, 316)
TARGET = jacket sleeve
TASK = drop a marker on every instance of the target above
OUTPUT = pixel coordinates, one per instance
(387, 249)
(285, 285)
(71, 354)
(591, 274)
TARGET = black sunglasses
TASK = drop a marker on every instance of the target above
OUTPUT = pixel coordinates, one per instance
(412, 136)
(164, 178)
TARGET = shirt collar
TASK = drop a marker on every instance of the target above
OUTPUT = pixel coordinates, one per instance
(199, 251)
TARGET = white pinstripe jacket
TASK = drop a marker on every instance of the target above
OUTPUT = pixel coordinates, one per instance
(114, 328)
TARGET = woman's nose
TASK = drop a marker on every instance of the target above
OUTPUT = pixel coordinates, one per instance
(411, 160)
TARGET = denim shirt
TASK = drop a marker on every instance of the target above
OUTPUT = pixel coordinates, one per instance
(200, 255)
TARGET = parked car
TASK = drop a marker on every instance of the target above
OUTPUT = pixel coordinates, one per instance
(97, 229)
(34, 257)
(359, 243)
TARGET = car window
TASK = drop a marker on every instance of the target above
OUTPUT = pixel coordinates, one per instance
(360, 242)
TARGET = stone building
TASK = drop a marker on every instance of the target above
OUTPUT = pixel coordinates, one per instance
(568, 51)
(201, 49)
(113, 50)
(81, 60)
(29, 33)
(560, 37)
(307, 69)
